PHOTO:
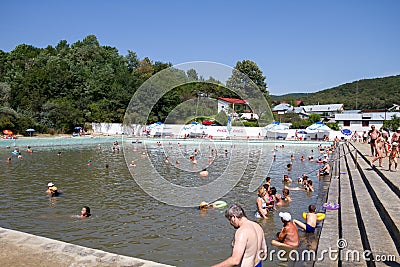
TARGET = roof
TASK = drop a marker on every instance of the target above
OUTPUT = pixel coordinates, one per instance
(233, 100)
(282, 107)
(323, 108)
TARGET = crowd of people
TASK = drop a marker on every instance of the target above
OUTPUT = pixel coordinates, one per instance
(382, 146)
(249, 242)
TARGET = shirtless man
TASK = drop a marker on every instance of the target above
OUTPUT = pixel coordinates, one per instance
(311, 220)
(396, 137)
(379, 147)
(326, 169)
(288, 237)
(373, 135)
(249, 240)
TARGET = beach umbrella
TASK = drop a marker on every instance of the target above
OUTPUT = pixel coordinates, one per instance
(318, 126)
(8, 132)
(346, 132)
(276, 126)
(30, 131)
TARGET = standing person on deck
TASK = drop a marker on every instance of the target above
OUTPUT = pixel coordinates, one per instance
(249, 240)
(373, 135)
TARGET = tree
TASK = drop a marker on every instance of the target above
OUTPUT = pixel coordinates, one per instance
(221, 118)
(244, 74)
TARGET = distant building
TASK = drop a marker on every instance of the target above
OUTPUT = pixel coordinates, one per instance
(361, 120)
(234, 105)
(327, 110)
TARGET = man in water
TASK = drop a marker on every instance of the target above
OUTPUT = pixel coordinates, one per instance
(288, 237)
(326, 169)
(249, 240)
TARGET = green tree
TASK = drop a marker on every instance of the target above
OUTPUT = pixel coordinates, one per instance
(244, 73)
(221, 118)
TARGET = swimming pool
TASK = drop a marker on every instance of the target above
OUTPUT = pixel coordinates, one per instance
(126, 220)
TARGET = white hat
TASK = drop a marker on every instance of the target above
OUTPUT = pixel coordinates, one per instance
(395, 144)
(285, 216)
(398, 129)
(50, 184)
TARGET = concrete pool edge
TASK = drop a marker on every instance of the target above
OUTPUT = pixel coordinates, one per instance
(23, 249)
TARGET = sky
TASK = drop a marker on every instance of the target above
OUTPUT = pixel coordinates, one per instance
(300, 46)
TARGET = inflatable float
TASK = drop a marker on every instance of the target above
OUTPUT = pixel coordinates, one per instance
(320, 216)
(219, 204)
(331, 206)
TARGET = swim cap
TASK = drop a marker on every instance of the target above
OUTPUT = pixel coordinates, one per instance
(203, 204)
(50, 184)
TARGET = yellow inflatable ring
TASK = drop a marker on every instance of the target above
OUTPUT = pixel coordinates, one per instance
(320, 216)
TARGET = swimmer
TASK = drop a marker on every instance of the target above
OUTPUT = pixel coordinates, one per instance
(107, 166)
(177, 162)
(311, 220)
(8, 159)
(204, 205)
(286, 195)
(289, 235)
(85, 212)
(59, 153)
(29, 150)
(286, 179)
(132, 164)
(166, 160)
(204, 173)
(52, 190)
(289, 166)
(89, 162)
(267, 183)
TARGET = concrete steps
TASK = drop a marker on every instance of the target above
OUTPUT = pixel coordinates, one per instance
(368, 218)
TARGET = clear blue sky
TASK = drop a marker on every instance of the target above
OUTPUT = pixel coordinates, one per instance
(300, 46)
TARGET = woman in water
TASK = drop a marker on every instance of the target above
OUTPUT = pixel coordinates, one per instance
(85, 212)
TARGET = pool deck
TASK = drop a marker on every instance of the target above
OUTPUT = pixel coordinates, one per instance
(368, 218)
(22, 249)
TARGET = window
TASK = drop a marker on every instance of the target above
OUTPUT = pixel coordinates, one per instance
(346, 123)
(365, 123)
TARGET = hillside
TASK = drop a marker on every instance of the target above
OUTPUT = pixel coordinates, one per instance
(378, 93)
(288, 96)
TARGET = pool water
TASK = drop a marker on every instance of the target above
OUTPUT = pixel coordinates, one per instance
(128, 221)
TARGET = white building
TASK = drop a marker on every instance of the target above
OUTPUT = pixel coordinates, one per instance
(362, 120)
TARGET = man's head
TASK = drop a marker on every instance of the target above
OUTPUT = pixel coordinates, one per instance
(285, 217)
(234, 213)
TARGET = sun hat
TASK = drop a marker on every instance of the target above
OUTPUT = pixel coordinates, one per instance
(50, 184)
(285, 216)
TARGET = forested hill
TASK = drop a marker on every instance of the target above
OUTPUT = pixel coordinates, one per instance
(378, 93)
